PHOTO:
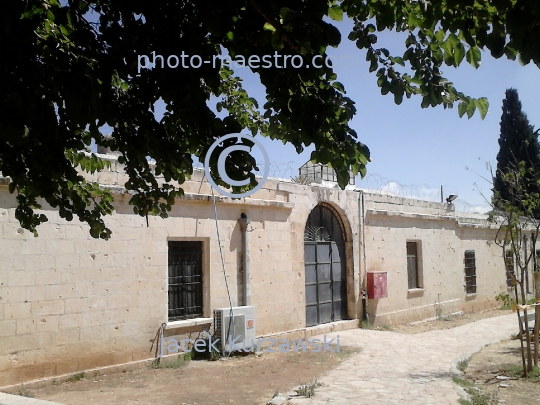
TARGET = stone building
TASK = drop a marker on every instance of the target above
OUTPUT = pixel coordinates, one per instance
(299, 254)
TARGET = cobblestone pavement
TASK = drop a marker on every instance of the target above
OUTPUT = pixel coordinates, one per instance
(396, 368)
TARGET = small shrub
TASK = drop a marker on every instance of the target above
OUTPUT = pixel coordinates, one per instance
(386, 327)
(517, 371)
(476, 396)
(308, 390)
(76, 377)
(206, 353)
(25, 392)
(462, 365)
(506, 301)
(479, 398)
(461, 382)
(366, 325)
(214, 355)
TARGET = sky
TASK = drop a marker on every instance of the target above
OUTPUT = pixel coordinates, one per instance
(415, 151)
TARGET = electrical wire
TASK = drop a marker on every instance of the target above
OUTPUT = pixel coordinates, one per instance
(231, 313)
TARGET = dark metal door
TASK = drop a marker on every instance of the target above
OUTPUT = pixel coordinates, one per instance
(324, 258)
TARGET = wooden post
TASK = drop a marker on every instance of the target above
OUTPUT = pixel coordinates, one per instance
(536, 314)
(536, 285)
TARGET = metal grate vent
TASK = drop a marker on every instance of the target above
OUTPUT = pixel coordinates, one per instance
(323, 225)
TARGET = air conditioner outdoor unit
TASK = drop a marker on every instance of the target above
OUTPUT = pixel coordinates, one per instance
(236, 332)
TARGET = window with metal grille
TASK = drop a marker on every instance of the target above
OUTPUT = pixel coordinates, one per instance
(509, 260)
(185, 280)
(470, 272)
(412, 265)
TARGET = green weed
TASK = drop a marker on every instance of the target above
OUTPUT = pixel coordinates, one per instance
(308, 390)
(25, 392)
(76, 377)
(181, 361)
(463, 364)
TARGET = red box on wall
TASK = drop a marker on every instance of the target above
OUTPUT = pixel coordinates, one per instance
(377, 285)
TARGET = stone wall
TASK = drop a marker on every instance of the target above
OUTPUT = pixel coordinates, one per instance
(69, 302)
(442, 238)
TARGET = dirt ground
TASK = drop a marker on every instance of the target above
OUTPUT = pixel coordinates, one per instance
(495, 360)
(238, 380)
(448, 322)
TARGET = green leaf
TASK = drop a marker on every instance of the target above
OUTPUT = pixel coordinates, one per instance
(459, 54)
(335, 13)
(269, 27)
(483, 106)
(474, 56)
(398, 97)
(462, 109)
(398, 60)
(471, 108)
(338, 86)
(373, 65)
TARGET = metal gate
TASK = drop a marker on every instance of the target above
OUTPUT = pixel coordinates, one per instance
(324, 257)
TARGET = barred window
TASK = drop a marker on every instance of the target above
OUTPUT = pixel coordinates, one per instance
(470, 272)
(412, 265)
(185, 280)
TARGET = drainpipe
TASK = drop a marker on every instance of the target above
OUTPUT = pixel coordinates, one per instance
(244, 222)
(362, 252)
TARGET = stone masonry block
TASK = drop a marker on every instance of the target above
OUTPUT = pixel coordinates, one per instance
(93, 318)
(52, 307)
(7, 328)
(75, 305)
(123, 301)
(67, 261)
(113, 316)
(60, 247)
(11, 295)
(68, 336)
(17, 311)
(78, 232)
(47, 323)
(59, 291)
(11, 344)
(92, 333)
(68, 321)
(105, 287)
(39, 262)
(95, 303)
(21, 278)
(51, 276)
(11, 262)
(26, 326)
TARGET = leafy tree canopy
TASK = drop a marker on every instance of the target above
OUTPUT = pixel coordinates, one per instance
(71, 67)
(518, 146)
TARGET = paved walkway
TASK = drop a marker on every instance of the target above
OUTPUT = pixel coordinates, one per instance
(7, 399)
(406, 369)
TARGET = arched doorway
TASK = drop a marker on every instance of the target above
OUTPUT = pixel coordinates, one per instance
(325, 267)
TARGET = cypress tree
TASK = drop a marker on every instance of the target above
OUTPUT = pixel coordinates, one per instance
(518, 142)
